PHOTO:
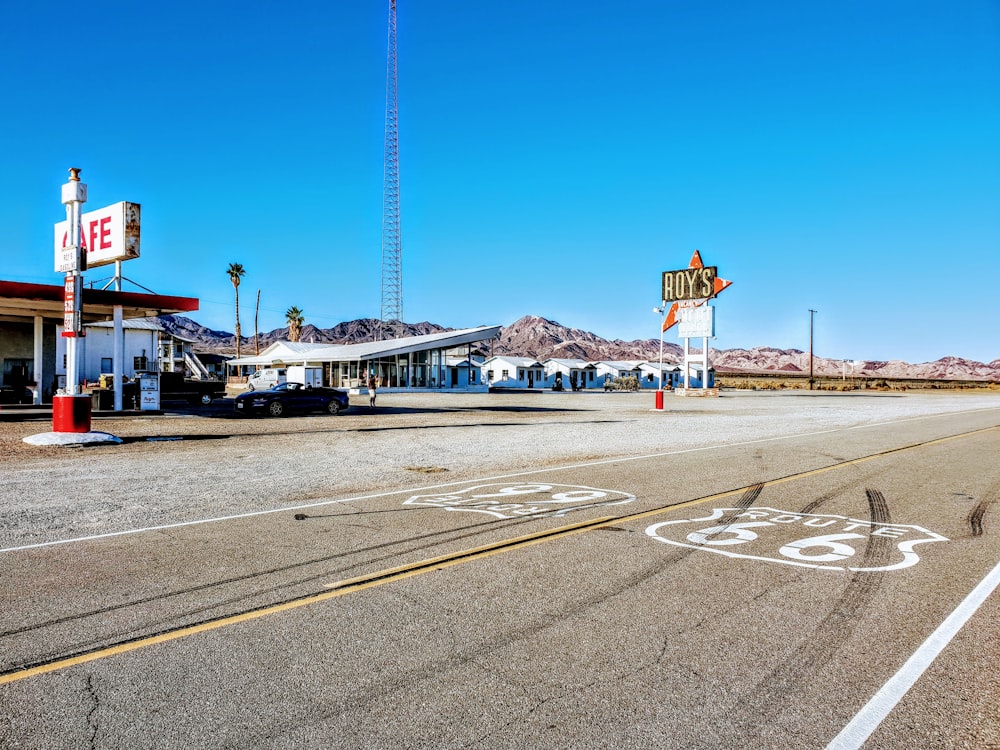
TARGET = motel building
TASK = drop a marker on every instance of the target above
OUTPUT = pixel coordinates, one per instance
(608, 371)
(513, 372)
(436, 361)
(31, 347)
(525, 373)
(570, 374)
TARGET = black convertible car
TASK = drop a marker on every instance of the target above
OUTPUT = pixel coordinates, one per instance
(292, 397)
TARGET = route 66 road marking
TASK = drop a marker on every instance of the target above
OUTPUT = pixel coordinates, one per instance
(520, 500)
(805, 539)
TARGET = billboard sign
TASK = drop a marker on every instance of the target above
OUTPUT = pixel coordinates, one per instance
(697, 322)
(689, 283)
(109, 234)
(690, 287)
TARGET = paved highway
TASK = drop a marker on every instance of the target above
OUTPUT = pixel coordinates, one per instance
(831, 588)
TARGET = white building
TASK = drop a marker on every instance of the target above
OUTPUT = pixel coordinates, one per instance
(649, 374)
(412, 362)
(463, 371)
(607, 371)
(514, 372)
(570, 374)
(96, 350)
(147, 348)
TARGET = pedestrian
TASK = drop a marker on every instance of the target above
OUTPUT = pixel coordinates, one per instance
(372, 389)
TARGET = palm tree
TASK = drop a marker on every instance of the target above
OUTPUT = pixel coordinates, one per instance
(295, 319)
(235, 272)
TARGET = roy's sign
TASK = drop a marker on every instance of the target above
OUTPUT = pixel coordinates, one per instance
(689, 283)
(109, 234)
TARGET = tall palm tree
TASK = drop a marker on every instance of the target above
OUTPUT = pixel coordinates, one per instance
(236, 272)
(295, 319)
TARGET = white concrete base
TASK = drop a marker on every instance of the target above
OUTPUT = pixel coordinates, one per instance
(696, 391)
(73, 438)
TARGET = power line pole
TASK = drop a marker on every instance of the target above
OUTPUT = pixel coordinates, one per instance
(391, 322)
(811, 314)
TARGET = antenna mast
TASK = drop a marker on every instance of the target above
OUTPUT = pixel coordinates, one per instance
(391, 322)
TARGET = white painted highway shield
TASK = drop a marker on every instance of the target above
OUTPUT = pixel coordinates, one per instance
(805, 539)
(518, 500)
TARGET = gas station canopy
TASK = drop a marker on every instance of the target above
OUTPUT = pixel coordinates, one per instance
(24, 301)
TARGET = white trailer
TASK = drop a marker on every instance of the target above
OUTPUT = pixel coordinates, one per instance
(311, 377)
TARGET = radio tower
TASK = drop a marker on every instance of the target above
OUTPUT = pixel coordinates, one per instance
(391, 322)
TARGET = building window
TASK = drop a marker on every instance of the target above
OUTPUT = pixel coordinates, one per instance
(504, 375)
(489, 376)
(107, 365)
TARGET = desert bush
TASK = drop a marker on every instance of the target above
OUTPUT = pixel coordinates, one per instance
(630, 383)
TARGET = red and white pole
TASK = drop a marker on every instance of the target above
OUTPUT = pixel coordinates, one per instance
(71, 409)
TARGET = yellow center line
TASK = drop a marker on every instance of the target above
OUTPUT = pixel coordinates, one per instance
(342, 589)
(352, 585)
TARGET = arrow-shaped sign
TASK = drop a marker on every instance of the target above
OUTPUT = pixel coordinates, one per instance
(671, 318)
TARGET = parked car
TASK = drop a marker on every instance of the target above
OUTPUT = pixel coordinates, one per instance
(291, 397)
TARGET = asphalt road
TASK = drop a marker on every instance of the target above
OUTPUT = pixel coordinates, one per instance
(793, 588)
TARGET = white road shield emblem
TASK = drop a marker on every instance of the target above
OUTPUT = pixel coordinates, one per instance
(808, 540)
(506, 500)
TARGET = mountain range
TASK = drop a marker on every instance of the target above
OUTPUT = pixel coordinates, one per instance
(532, 336)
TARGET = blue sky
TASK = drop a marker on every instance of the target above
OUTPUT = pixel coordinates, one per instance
(555, 158)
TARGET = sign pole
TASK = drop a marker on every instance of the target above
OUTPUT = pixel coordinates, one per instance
(71, 410)
(659, 373)
(704, 364)
(687, 363)
(74, 195)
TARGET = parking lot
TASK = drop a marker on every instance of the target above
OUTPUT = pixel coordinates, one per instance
(524, 570)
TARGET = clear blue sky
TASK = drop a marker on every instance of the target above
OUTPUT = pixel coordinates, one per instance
(555, 158)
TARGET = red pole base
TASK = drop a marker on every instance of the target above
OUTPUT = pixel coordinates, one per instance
(659, 400)
(71, 414)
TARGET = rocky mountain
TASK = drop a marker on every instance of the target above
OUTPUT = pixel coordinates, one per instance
(224, 342)
(532, 336)
(536, 337)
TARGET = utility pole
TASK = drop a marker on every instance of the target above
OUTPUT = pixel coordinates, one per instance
(256, 329)
(811, 314)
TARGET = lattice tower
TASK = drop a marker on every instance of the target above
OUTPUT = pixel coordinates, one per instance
(391, 322)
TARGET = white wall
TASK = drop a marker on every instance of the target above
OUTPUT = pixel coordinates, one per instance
(98, 344)
(517, 374)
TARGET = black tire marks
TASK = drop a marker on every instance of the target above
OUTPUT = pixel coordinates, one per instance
(976, 516)
(761, 707)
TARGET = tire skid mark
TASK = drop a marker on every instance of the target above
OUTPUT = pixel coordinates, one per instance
(763, 703)
(748, 498)
(975, 518)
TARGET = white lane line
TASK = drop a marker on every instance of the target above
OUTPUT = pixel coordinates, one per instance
(874, 712)
(586, 464)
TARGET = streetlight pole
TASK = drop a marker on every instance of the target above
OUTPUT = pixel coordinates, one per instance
(811, 314)
(661, 310)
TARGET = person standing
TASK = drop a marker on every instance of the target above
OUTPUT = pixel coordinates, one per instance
(372, 389)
